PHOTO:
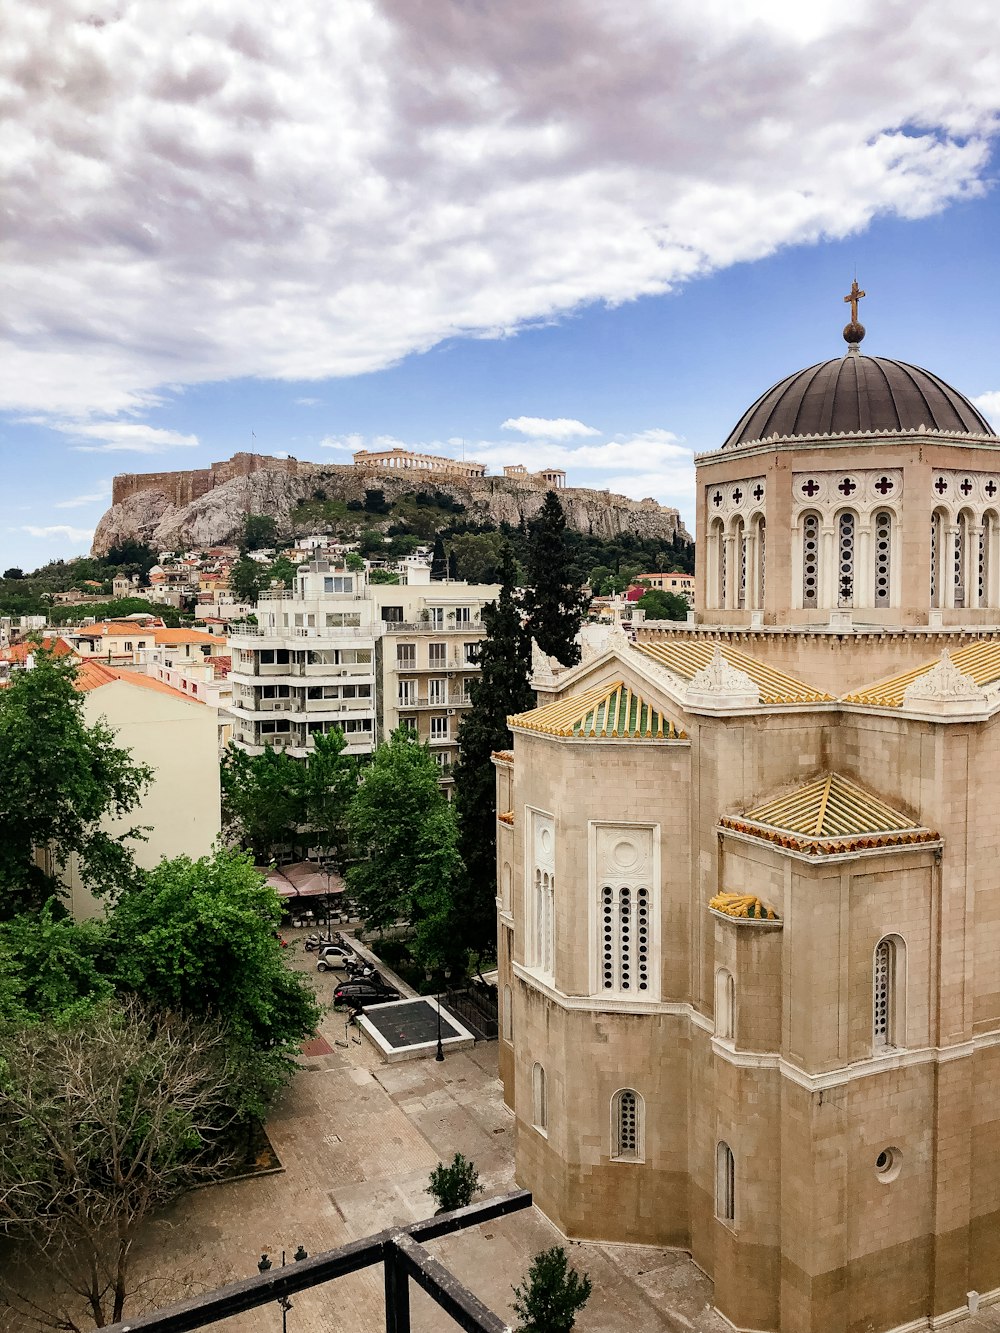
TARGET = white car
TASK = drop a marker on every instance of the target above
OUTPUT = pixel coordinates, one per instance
(334, 956)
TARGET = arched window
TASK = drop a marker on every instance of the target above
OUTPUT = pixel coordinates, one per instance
(542, 951)
(725, 1184)
(627, 1127)
(740, 556)
(846, 532)
(889, 993)
(725, 1004)
(508, 1014)
(539, 1100)
(810, 559)
(883, 557)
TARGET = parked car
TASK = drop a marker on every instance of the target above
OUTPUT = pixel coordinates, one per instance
(356, 994)
(334, 956)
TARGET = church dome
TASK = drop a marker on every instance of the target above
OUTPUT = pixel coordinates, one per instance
(857, 393)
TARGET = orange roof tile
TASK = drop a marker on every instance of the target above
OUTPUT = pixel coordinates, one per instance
(93, 675)
(171, 637)
(17, 652)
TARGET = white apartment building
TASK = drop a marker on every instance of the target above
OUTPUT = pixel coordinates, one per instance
(427, 659)
(308, 665)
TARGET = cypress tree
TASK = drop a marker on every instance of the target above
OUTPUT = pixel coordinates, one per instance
(439, 560)
(501, 689)
(553, 601)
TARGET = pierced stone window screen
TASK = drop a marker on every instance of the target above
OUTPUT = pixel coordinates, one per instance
(888, 993)
(984, 563)
(810, 560)
(627, 1126)
(624, 870)
(723, 573)
(508, 1014)
(539, 1099)
(725, 1004)
(725, 1184)
(625, 940)
(846, 526)
(883, 557)
(961, 546)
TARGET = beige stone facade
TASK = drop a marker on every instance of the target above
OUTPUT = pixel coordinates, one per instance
(747, 889)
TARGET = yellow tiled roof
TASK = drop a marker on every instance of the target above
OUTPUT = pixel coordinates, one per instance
(829, 815)
(610, 711)
(981, 661)
(686, 657)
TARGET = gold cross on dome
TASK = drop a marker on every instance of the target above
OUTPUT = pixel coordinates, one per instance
(855, 296)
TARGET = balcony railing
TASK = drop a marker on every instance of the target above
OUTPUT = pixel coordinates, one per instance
(429, 627)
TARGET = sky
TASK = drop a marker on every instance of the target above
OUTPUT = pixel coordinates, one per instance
(584, 234)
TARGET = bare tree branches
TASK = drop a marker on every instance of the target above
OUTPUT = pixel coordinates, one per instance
(100, 1123)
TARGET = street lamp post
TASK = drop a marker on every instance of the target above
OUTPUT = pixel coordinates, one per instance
(439, 1053)
(285, 1302)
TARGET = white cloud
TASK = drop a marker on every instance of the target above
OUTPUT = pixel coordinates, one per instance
(989, 405)
(554, 428)
(60, 530)
(102, 493)
(131, 437)
(308, 402)
(201, 194)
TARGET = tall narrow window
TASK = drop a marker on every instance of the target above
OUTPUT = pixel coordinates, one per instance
(539, 1099)
(508, 1014)
(740, 554)
(961, 547)
(845, 558)
(542, 922)
(625, 938)
(723, 571)
(761, 561)
(984, 562)
(725, 1184)
(725, 1004)
(627, 1126)
(889, 993)
(883, 556)
(810, 560)
(937, 539)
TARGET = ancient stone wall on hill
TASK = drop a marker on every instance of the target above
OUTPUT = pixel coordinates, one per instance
(181, 488)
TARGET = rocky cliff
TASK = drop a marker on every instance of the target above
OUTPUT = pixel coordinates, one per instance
(180, 510)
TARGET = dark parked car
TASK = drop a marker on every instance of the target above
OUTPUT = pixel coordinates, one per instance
(356, 994)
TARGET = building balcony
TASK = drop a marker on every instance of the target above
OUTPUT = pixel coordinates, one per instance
(429, 627)
(417, 703)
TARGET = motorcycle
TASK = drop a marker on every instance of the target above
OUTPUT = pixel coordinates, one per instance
(316, 941)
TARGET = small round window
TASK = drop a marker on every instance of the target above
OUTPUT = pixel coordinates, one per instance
(887, 1164)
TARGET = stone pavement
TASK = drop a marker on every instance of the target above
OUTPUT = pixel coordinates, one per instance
(358, 1140)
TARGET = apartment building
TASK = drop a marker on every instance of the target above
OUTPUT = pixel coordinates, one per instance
(426, 659)
(308, 665)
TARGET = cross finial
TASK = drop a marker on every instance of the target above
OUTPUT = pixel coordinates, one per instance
(853, 298)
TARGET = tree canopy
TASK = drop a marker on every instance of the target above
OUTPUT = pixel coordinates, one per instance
(660, 605)
(62, 781)
(500, 689)
(553, 601)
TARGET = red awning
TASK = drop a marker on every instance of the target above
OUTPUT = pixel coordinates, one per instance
(302, 879)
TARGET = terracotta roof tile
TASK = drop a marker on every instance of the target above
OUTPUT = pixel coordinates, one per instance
(686, 657)
(609, 712)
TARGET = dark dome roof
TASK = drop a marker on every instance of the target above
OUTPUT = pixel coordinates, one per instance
(857, 393)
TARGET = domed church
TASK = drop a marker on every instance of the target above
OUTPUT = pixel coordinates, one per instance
(748, 876)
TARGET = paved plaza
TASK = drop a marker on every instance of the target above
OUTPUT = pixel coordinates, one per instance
(358, 1139)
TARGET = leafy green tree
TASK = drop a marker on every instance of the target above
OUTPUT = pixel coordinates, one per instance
(453, 1186)
(376, 503)
(553, 602)
(328, 785)
(117, 608)
(400, 816)
(201, 938)
(259, 531)
(478, 556)
(599, 579)
(371, 543)
(354, 562)
(52, 968)
(13, 573)
(382, 576)
(552, 1295)
(263, 800)
(659, 605)
(136, 556)
(246, 578)
(501, 689)
(438, 893)
(283, 570)
(439, 560)
(61, 782)
(102, 1120)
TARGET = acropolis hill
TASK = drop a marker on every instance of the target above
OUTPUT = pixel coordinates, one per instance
(207, 506)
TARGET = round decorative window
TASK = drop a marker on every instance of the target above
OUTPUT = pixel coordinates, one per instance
(887, 1164)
